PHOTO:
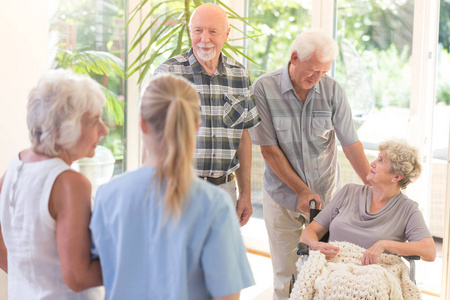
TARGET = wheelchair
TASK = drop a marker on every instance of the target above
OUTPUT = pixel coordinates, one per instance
(303, 249)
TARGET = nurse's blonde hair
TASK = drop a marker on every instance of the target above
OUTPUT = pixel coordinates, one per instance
(170, 106)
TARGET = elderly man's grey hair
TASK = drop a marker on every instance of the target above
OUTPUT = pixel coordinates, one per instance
(405, 160)
(315, 41)
(55, 107)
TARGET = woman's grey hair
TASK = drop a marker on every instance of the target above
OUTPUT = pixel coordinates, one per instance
(315, 41)
(405, 160)
(55, 107)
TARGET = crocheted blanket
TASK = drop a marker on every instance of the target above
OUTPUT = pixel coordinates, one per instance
(344, 277)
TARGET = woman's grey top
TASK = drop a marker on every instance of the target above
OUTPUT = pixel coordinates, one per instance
(348, 218)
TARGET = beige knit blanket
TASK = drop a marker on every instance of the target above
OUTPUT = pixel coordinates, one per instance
(344, 277)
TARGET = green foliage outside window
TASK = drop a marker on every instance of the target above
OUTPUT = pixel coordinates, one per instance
(90, 41)
(279, 22)
(380, 31)
(163, 32)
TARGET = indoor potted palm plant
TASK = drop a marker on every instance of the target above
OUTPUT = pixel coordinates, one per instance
(163, 32)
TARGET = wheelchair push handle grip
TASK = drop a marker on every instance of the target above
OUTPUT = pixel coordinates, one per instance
(313, 210)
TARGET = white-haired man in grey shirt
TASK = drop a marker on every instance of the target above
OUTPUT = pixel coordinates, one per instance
(302, 111)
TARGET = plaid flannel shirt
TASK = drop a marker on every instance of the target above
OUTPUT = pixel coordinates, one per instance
(227, 108)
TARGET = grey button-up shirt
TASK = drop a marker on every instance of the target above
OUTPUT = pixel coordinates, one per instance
(305, 132)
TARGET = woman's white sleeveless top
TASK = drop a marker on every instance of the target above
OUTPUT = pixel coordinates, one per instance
(29, 232)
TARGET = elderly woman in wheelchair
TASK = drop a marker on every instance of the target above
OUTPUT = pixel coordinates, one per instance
(377, 217)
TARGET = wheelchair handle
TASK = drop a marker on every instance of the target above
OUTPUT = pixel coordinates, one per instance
(312, 204)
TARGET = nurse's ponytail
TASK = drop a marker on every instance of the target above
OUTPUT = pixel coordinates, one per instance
(170, 106)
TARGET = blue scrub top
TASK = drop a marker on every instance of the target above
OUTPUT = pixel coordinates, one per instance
(145, 256)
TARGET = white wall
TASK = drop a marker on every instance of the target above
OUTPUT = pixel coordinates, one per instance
(23, 56)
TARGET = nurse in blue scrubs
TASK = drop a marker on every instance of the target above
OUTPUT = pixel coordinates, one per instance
(160, 231)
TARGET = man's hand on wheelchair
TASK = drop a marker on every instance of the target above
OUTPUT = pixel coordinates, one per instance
(303, 200)
(329, 250)
(372, 254)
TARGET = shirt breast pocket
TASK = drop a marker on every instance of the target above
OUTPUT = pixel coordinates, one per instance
(321, 124)
(234, 110)
(283, 129)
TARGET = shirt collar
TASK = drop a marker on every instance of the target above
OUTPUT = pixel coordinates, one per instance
(285, 80)
(197, 67)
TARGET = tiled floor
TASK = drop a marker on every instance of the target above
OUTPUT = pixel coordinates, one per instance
(262, 272)
(255, 237)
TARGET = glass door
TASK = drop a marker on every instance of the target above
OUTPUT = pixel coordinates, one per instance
(376, 68)
(440, 138)
(89, 39)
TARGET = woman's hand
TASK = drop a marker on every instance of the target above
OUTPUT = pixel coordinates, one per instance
(372, 254)
(329, 250)
(425, 248)
(311, 235)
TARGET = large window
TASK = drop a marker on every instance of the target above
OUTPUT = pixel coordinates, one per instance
(375, 67)
(380, 66)
(274, 25)
(89, 39)
(440, 137)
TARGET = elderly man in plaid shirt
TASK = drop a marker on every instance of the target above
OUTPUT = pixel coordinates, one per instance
(227, 106)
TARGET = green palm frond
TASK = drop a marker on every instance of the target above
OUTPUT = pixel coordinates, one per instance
(93, 63)
(163, 33)
(87, 62)
(113, 106)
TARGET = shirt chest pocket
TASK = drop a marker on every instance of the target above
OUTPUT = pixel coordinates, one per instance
(283, 129)
(321, 124)
(234, 110)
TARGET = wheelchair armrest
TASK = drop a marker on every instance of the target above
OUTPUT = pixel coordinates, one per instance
(302, 249)
(412, 266)
(411, 257)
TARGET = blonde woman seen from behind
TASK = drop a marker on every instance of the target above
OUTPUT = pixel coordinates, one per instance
(160, 231)
(45, 206)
